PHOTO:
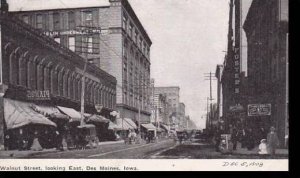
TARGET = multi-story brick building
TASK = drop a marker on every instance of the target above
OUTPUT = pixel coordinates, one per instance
(173, 98)
(266, 28)
(35, 70)
(111, 36)
(160, 109)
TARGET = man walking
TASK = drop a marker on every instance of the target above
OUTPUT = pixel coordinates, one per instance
(273, 141)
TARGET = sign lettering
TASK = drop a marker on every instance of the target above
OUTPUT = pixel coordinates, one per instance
(38, 95)
(259, 109)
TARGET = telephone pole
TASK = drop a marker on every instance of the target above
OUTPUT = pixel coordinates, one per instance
(209, 76)
(86, 50)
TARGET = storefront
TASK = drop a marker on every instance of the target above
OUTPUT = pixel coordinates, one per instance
(23, 124)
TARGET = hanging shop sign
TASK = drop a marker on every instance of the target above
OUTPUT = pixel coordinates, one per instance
(38, 95)
(259, 109)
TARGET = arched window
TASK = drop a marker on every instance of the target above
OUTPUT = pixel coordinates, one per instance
(40, 74)
(47, 77)
(23, 69)
(54, 80)
(65, 84)
(14, 67)
(60, 82)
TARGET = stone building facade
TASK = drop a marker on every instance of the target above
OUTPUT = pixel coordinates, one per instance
(110, 36)
(34, 63)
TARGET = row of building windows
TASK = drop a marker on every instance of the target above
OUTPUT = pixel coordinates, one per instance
(80, 43)
(41, 20)
(133, 33)
(34, 73)
(136, 77)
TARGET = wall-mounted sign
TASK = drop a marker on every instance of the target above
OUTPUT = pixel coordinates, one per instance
(72, 32)
(38, 95)
(259, 109)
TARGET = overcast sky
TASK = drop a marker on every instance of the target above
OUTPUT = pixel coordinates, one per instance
(189, 37)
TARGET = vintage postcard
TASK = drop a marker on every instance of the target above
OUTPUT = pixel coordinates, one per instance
(144, 85)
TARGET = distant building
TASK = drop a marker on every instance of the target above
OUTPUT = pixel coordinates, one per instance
(122, 48)
(173, 97)
(181, 116)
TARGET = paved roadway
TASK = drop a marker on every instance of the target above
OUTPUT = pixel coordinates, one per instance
(113, 151)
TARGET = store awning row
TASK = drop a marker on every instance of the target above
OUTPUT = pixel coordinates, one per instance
(18, 114)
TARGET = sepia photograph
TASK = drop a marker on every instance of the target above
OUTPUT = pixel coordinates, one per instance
(133, 85)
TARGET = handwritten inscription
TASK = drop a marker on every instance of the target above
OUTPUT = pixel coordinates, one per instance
(243, 164)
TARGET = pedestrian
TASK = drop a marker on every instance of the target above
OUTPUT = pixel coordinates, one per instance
(286, 140)
(59, 139)
(36, 144)
(7, 142)
(250, 139)
(217, 139)
(234, 137)
(263, 147)
(272, 140)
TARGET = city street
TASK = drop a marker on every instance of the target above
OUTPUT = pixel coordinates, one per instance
(111, 151)
(164, 149)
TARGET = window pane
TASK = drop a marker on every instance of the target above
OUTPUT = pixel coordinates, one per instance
(39, 21)
(56, 21)
(71, 20)
(72, 43)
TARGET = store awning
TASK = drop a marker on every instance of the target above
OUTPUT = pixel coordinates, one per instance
(18, 114)
(149, 126)
(97, 118)
(50, 111)
(131, 123)
(123, 124)
(75, 115)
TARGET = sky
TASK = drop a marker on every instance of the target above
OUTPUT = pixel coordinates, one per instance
(189, 39)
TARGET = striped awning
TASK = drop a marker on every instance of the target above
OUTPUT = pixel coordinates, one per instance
(18, 114)
(123, 124)
(149, 126)
(75, 115)
(50, 111)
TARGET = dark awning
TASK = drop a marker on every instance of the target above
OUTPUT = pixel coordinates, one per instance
(18, 114)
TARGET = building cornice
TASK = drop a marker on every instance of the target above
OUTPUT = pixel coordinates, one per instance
(133, 15)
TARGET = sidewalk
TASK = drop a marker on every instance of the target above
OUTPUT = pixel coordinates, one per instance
(254, 152)
(28, 153)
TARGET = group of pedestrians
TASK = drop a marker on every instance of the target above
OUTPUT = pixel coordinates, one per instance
(266, 142)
